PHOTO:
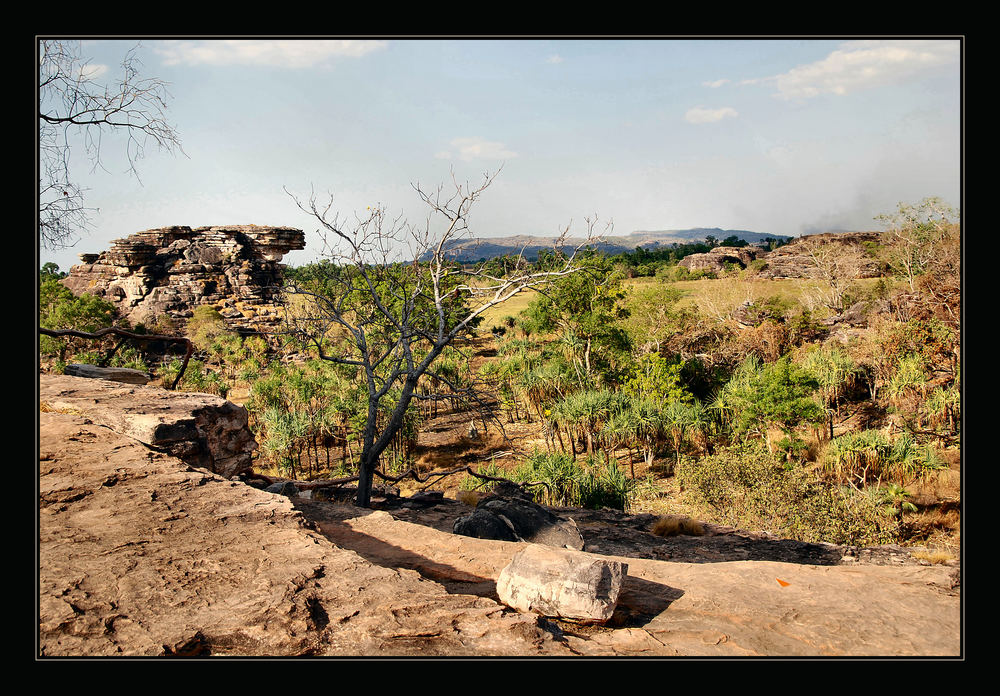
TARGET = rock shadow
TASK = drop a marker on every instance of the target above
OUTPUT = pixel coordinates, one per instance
(641, 601)
(382, 553)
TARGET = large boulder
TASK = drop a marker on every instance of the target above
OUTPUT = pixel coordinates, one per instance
(483, 524)
(562, 583)
(518, 519)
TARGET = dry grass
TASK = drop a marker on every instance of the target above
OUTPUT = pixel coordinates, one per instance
(470, 498)
(719, 296)
(46, 407)
(512, 307)
(933, 556)
(676, 526)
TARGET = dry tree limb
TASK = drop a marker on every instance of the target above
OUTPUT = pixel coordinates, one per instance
(100, 333)
(409, 473)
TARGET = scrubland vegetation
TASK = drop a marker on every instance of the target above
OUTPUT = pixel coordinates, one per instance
(637, 385)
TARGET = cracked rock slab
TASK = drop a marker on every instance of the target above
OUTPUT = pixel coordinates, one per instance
(202, 429)
(142, 554)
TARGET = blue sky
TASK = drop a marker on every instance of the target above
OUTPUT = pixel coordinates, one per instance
(785, 136)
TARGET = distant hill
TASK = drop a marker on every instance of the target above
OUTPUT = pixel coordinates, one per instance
(472, 250)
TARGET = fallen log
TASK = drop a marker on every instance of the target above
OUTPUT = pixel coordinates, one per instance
(409, 473)
(114, 330)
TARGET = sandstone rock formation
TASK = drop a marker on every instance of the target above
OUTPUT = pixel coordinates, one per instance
(201, 429)
(813, 256)
(810, 256)
(712, 607)
(171, 270)
(140, 553)
(562, 583)
(716, 259)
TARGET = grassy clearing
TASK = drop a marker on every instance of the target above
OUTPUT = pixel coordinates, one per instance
(512, 307)
(716, 296)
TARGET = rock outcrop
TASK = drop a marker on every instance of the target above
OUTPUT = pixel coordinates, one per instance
(171, 270)
(515, 518)
(810, 256)
(201, 429)
(818, 255)
(717, 259)
(140, 554)
(712, 607)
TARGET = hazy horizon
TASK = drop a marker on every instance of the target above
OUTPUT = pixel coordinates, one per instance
(777, 136)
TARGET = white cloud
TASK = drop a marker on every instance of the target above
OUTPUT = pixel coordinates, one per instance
(290, 53)
(91, 71)
(468, 149)
(702, 115)
(715, 83)
(554, 59)
(858, 65)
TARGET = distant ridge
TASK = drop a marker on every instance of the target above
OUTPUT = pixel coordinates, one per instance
(472, 250)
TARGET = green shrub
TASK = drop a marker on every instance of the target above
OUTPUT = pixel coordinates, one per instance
(869, 456)
(746, 487)
(564, 481)
(196, 378)
(59, 309)
(672, 273)
(758, 395)
(606, 486)
(206, 327)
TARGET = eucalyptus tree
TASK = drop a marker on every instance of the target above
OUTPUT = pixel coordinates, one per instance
(583, 309)
(395, 300)
(914, 236)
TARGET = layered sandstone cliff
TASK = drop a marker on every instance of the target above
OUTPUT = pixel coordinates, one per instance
(171, 270)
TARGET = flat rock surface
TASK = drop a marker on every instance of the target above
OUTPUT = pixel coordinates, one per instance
(723, 608)
(141, 554)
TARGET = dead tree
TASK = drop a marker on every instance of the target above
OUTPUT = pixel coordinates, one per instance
(72, 100)
(394, 301)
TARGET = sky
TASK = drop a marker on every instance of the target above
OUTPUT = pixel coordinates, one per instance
(780, 136)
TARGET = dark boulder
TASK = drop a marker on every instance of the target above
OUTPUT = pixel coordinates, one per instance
(519, 519)
(483, 524)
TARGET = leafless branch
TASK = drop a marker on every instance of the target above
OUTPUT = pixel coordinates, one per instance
(72, 100)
